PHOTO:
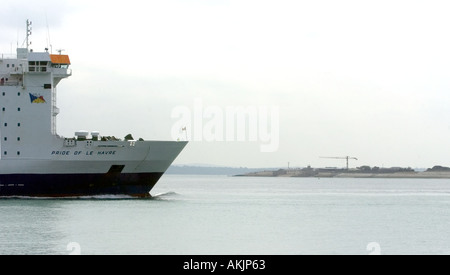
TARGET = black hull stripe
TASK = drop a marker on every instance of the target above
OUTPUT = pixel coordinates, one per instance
(73, 185)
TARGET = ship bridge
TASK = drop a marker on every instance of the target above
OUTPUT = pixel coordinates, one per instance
(60, 67)
(12, 70)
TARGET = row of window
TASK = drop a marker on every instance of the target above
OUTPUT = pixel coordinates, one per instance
(31, 63)
(6, 153)
(4, 109)
(38, 63)
(6, 139)
(37, 69)
(6, 124)
(3, 94)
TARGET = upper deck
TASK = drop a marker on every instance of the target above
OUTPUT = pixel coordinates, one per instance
(13, 68)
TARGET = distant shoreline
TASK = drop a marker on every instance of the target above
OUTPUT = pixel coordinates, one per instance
(437, 172)
(416, 175)
(212, 170)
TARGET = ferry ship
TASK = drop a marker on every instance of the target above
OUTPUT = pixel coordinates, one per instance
(37, 162)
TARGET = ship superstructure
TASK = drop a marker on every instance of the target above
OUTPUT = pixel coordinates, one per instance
(36, 161)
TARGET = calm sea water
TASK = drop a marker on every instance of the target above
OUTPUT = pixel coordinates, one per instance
(216, 215)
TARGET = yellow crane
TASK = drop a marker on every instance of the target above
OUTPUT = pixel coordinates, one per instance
(346, 158)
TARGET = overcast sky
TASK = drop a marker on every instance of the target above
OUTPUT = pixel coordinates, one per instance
(367, 79)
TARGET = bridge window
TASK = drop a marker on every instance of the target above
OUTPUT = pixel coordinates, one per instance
(37, 66)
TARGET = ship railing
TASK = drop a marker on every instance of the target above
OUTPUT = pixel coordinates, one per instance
(8, 56)
(10, 83)
(62, 71)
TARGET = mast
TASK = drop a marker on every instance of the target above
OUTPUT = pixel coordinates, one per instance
(29, 23)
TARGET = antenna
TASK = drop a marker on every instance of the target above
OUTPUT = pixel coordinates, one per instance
(29, 23)
(49, 45)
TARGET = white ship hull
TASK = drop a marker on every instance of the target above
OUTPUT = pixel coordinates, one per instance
(145, 156)
(112, 169)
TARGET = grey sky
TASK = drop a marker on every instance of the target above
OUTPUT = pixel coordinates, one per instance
(368, 79)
